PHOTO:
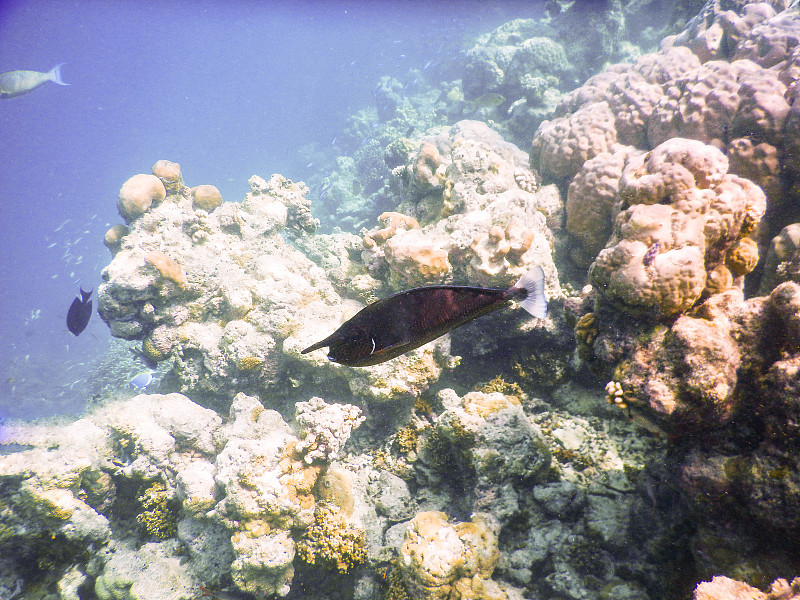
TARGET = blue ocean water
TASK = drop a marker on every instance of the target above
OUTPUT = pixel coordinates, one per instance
(226, 89)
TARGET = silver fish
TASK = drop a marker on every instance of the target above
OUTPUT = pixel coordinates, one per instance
(16, 83)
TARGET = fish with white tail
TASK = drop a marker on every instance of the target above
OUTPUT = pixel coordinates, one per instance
(16, 83)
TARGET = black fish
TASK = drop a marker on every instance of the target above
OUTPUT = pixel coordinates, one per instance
(79, 313)
(407, 320)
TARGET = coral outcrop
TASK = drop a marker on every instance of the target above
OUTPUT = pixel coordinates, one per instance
(238, 495)
(220, 293)
(683, 223)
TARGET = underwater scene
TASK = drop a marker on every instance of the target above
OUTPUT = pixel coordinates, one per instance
(400, 301)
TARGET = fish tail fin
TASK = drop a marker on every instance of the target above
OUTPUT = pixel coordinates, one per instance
(533, 285)
(55, 74)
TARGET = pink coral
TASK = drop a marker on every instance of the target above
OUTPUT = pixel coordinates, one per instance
(759, 162)
(770, 41)
(632, 99)
(762, 107)
(666, 66)
(699, 105)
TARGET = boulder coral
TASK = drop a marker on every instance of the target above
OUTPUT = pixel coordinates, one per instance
(206, 197)
(561, 146)
(439, 560)
(683, 216)
(727, 81)
(138, 194)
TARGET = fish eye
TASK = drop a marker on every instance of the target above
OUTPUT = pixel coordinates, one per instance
(357, 337)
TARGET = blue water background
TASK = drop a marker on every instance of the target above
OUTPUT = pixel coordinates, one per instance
(227, 89)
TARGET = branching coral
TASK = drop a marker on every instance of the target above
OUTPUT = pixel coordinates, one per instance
(158, 517)
(331, 543)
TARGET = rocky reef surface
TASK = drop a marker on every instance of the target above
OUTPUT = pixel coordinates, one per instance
(660, 198)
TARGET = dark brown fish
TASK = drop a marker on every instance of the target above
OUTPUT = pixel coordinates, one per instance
(79, 313)
(395, 325)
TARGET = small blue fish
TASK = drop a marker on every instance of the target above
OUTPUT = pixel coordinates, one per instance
(651, 254)
(141, 381)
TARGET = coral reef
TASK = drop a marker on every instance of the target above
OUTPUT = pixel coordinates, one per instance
(282, 474)
(238, 495)
(227, 299)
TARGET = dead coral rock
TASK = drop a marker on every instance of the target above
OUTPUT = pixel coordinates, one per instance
(684, 377)
(392, 222)
(138, 194)
(426, 169)
(497, 251)
(437, 556)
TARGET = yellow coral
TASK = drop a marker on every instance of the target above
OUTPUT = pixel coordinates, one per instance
(150, 350)
(158, 517)
(586, 329)
(615, 395)
(331, 543)
(406, 439)
(249, 363)
(742, 257)
(498, 384)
